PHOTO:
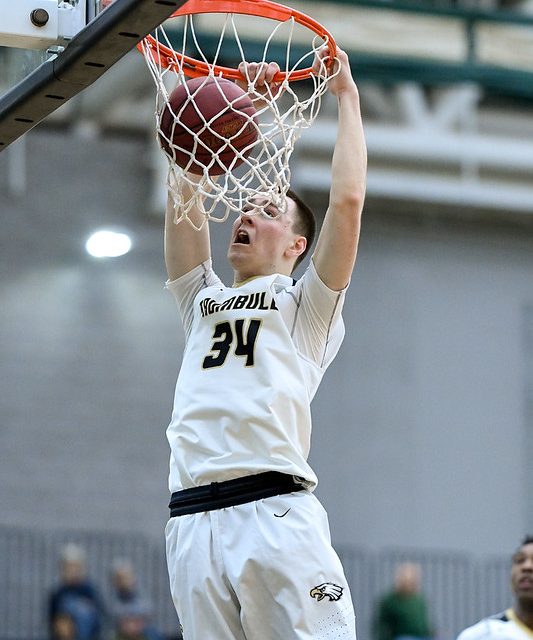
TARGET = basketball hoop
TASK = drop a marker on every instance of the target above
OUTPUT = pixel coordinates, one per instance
(194, 43)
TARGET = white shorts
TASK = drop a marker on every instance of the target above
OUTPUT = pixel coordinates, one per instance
(264, 570)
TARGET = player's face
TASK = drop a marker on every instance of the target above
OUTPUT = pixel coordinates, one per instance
(262, 239)
(522, 572)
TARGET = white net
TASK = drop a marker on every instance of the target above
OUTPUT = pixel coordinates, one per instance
(216, 169)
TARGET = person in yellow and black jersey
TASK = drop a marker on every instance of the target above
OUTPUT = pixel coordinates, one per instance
(515, 623)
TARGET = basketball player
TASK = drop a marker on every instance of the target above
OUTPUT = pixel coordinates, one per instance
(515, 623)
(248, 544)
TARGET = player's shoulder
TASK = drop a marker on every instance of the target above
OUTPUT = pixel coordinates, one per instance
(309, 280)
(495, 626)
(201, 276)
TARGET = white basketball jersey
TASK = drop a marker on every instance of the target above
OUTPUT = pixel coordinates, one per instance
(504, 626)
(253, 359)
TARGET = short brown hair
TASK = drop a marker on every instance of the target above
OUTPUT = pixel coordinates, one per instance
(304, 224)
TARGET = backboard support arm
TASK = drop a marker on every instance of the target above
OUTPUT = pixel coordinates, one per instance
(90, 53)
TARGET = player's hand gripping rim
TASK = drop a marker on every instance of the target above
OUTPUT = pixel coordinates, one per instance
(258, 81)
(338, 74)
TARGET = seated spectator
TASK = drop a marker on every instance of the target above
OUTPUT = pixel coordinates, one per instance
(130, 606)
(76, 596)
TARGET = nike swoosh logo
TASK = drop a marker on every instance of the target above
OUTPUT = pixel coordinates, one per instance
(277, 515)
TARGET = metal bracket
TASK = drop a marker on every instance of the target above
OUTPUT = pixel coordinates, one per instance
(40, 24)
(72, 18)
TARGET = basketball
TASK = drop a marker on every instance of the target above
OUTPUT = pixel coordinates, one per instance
(206, 119)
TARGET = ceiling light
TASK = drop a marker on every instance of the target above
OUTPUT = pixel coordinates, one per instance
(108, 244)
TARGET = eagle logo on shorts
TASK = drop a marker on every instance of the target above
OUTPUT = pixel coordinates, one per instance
(326, 590)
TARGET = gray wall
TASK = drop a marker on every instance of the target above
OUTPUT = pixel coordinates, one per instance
(423, 427)
(427, 435)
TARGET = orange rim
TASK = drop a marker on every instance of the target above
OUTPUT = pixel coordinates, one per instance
(192, 68)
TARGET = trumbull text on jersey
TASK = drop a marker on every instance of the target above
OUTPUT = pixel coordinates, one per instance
(257, 300)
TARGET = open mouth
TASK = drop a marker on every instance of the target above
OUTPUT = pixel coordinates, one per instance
(242, 237)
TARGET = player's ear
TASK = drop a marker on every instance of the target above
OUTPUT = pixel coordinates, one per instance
(297, 246)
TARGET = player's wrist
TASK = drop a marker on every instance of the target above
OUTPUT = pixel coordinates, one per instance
(347, 91)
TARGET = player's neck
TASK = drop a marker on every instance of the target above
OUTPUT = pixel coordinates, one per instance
(524, 613)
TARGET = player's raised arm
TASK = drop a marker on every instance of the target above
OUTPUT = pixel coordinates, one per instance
(336, 249)
(185, 246)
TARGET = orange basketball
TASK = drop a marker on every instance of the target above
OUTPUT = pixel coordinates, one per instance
(210, 118)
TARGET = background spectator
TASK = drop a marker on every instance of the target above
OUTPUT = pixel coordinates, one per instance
(402, 613)
(131, 610)
(76, 596)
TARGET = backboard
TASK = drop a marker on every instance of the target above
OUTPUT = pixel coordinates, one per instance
(36, 81)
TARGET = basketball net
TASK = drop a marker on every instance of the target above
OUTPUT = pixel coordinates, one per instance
(282, 115)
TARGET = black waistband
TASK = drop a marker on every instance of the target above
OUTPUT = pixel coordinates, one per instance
(230, 493)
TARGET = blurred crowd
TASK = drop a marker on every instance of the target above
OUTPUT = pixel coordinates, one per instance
(78, 611)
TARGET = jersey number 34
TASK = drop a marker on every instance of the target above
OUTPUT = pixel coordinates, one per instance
(228, 334)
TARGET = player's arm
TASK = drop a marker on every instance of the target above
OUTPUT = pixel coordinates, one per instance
(185, 246)
(336, 249)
